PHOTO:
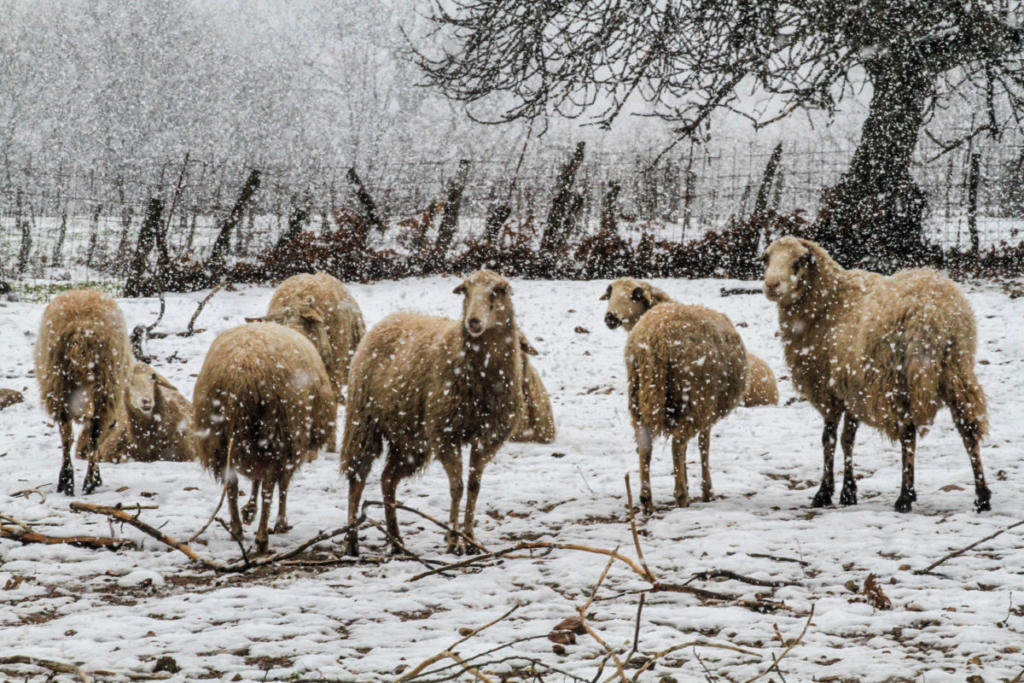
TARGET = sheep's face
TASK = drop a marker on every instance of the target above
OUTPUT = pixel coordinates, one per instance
(787, 263)
(140, 394)
(628, 299)
(487, 303)
(306, 319)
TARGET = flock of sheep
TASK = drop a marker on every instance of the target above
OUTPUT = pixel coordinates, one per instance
(886, 351)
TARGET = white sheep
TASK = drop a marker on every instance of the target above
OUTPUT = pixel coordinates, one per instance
(686, 367)
(263, 394)
(628, 299)
(430, 386)
(82, 362)
(887, 351)
(153, 421)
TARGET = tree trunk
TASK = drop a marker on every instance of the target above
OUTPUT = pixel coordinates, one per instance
(218, 256)
(453, 203)
(873, 216)
(137, 284)
(562, 205)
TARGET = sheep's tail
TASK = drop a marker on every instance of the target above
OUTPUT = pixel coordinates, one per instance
(361, 443)
(924, 368)
(963, 393)
(647, 395)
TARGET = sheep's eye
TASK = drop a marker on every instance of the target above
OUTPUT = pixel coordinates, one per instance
(796, 266)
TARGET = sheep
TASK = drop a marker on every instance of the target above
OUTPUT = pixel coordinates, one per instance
(430, 386)
(263, 398)
(886, 351)
(82, 362)
(628, 299)
(153, 422)
(320, 307)
(761, 389)
(536, 422)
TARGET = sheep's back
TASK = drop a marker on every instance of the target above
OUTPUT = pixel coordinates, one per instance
(82, 343)
(265, 387)
(686, 367)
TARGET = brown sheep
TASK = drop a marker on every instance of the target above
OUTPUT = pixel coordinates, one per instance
(761, 389)
(320, 307)
(263, 392)
(153, 422)
(628, 299)
(887, 351)
(686, 367)
(430, 386)
(82, 362)
(536, 423)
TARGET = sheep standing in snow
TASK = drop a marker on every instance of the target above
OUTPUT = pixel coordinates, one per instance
(887, 351)
(82, 362)
(628, 299)
(320, 307)
(536, 423)
(429, 386)
(686, 367)
(264, 393)
(153, 421)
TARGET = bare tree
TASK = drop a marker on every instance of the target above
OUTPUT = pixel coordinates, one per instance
(690, 58)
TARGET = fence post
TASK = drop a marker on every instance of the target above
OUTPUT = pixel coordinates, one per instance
(972, 202)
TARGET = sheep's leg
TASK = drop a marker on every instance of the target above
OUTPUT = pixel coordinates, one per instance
(478, 459)
(705, 465)
(281, 526)
(92, 473)
(66, 480)
(643, 449)
(249, 510)
(848, 496)
(828, 449)
(452, 462)
(908, 443)
(395, 469)
(236, 522)
(266, 500)
(679, 442)
(357, 473)
(970, 432)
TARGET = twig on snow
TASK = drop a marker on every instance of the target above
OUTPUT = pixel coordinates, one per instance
(789, 648)
(223, 494)
(52, 665)
(961, 551)
(636, 538)
(25, 493)
(591, 632)
(190, 330)
(429, 564)
(457, 532)
(728, 574)
(449, 653)
(26, 535)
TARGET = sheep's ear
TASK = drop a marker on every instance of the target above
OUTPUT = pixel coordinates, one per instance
(607, 294)
(502, 289)
(806, 259)
(311, 315)
(461, 289)
(641, 296)
(526, 346)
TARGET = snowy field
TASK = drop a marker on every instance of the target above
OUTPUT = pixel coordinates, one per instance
(115, 614)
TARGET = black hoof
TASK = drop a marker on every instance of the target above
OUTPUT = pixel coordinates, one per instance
(646, 505)
(352, 548)
(983, 501)
(904, 503)
(848, 496)
(472, 549)
(822, 498)
(92, 482)
(66, 482)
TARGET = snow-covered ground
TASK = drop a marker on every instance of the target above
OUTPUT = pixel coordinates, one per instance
(120, 611)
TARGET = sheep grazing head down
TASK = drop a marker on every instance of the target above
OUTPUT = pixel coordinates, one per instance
(628, 300)
(788, 265)
(487, 304)
(306, 318)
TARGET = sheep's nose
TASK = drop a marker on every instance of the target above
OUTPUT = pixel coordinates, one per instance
(474, 325)
(611, 320)
(771, 287)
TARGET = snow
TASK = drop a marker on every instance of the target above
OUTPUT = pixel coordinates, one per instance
(120, 611)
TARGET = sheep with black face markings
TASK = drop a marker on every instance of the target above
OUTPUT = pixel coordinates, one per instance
(686, 367)
(262, 401)
(429, 386)
(887, 351)
(82, 361)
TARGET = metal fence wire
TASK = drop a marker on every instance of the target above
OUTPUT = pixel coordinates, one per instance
(66, 222)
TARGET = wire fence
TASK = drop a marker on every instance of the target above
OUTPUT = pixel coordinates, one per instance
(72, 223)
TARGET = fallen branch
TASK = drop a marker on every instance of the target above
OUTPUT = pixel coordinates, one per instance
(52, 665)
(636, 538)
(190, 330)
(93, 542)
(424, 515)
(592, 633)
(727, 574)
(961, 551)
(693, 643)
(429, 564)
(25, 493)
